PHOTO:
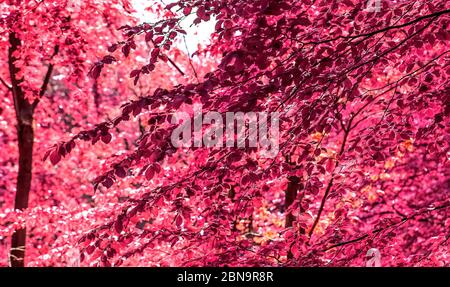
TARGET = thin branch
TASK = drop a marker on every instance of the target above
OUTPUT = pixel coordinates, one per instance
(404, 219)
(330, 184)
(190, 60)
(322, 205)
(48, 74)
(175, 65)
(5, 84)
(437, 14)
(170, 60)
(46, 81)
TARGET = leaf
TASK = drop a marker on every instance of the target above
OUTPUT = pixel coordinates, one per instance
(149, 173)
(118, 226)
(303, 21)
(187, 10)
(289, 235)
(120, 172)
(46, 155)
(108, 182)
(90, 249)
(113, 48)
(294, 250)
(330, 165)
(245, 180)
(378, 156)
(96, 70)
(108, 59)
(126, 50)
(106, 138)
(171, 5)
(155, 53)
(172, 35)
(347, 83)
(179, 220)
(148, 36)
(135, 73)
(159, 39)
(55, 157)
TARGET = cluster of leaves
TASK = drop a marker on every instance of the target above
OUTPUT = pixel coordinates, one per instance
(62, 203)
(364, 140)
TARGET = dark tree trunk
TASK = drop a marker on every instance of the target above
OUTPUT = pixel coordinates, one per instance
(25, 135)
(289, 197)
(25, 138)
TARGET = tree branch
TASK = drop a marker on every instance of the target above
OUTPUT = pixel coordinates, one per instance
(48, 74)
(190, 60)
(5, 84)
(330, 184)
(437, 14)
(404, 219)
(322, 205)
(175, 65)
(170, 60)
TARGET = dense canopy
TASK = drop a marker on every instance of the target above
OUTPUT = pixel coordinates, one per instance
(362, 94)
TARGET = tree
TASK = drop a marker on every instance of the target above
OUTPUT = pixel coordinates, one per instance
(38, 39)
(363, 155)
(70, 102)
(30, 64)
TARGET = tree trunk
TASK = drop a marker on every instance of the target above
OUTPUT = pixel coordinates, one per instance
(25, 137)
(290, 195)
(289, 198)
